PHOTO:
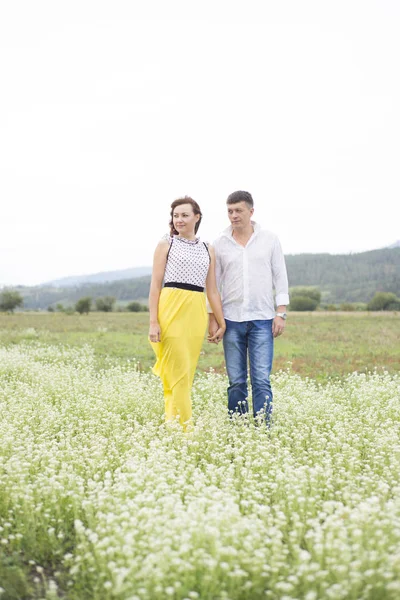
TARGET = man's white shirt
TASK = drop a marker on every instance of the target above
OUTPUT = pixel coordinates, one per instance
(247, 275)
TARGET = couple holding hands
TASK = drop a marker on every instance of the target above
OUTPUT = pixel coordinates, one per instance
(239, 273)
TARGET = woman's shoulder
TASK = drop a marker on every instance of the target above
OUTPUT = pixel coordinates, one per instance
(164, 244)
(166, 238)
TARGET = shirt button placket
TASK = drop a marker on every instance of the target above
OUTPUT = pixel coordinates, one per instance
(245, 308)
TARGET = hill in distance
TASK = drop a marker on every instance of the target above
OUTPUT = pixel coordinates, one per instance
(133, 273)
(340, 277)
(101, 277)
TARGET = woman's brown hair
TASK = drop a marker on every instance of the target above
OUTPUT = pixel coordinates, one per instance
(195, 207)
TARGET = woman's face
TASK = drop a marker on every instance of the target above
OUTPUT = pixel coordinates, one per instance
(184, 219)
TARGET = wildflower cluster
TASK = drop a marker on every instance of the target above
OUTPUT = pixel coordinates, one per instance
(118, 504)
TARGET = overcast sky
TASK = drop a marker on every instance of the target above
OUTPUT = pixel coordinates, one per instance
(111, 110)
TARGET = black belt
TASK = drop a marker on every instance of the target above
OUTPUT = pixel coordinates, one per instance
(184, 286)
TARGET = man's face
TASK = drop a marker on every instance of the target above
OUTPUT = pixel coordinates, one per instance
(239, 214)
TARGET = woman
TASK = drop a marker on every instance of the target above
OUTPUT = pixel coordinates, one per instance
(178, 315)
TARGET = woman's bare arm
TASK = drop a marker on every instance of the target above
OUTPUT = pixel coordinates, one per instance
(159, 262)
(214, 299)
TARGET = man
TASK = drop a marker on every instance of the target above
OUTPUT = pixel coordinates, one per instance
(249, 265)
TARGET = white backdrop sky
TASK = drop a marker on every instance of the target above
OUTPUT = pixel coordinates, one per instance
(111, 110)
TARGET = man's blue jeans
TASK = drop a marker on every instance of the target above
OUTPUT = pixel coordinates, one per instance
(256, 339)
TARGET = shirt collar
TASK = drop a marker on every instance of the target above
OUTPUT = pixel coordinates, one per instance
(228, 231)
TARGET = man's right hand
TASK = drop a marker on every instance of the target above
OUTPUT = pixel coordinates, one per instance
(212, 328)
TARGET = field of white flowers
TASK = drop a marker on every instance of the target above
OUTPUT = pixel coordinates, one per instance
(102, 500)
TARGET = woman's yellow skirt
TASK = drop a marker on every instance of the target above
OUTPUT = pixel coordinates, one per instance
(182, 316)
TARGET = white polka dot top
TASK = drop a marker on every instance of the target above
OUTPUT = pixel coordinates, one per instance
(188, 262)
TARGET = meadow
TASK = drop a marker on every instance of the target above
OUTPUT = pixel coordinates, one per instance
(101, 500)
(318, 345)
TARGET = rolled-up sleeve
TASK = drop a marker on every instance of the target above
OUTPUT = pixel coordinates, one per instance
(279, 275)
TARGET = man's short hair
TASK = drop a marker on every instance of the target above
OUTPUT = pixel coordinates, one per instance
(240, 196)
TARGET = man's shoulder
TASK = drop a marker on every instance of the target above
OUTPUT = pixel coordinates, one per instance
(267, 235)
(218, 239)
(221, 238)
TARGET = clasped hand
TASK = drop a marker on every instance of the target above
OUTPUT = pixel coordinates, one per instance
(215, 332)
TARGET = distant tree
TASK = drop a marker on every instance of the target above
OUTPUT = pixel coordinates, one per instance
(382, 300)
(10, 300)
(60, 307)
(105, 304)
(347, 307)
(307, 292)
(136, 307)
(83, 305)
(303, 303)
(394, 305)
(331, 307)
(360, 306)
(50, 308)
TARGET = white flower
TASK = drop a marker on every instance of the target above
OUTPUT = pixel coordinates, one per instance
(228, 507)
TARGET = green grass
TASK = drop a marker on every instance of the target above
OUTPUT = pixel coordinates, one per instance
(317, 345)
